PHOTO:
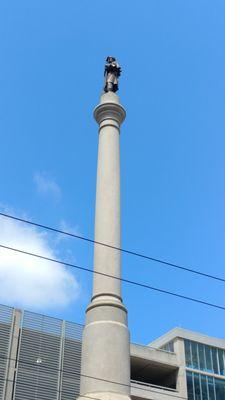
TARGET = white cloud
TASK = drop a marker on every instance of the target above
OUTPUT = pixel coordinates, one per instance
(46, 185)
(27, 281)
(64, 226)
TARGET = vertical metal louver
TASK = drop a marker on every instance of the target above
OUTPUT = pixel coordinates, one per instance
(6, 314)
(38, 367)
(46, 356)
(70, 380)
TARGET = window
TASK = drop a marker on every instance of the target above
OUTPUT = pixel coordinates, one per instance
(220, 386)
(204, 387)
(190, 386)
(215, 360)
(201, 355)
(194, 355)
(187, 345)
(221, 362)
(211, 388)
(205, 358)
(197, 387)
(208, 359)
(168, 347)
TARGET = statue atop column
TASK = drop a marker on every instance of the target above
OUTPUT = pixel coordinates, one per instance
(111, 73)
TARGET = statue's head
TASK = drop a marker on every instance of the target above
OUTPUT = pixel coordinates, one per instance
(110, 59)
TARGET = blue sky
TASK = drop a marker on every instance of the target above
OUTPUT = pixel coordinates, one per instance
(172, 152)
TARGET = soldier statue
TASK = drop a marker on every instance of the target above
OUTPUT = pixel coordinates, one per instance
(111, 73)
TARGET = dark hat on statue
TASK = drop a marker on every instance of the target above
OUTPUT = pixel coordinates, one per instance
(110, 59)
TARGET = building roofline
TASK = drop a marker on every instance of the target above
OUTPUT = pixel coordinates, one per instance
(187, 334)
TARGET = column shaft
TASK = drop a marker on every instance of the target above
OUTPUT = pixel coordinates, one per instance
(107, 217)
(105, 371)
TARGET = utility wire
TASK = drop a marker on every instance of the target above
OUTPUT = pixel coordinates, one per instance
(51, 389)
(137, 254)
(115, 277)
(78, 374)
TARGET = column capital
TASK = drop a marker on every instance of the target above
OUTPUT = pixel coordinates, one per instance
(109, 108)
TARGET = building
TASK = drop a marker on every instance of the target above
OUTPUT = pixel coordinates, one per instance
(40, 358)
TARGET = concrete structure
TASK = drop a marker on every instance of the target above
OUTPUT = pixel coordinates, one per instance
(40, 358)
(105, 350)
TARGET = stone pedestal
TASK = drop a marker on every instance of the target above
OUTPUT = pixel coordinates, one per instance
(105, 371)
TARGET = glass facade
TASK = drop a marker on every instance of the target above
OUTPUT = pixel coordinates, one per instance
(207, 359)
(203, 387)
(204, 358)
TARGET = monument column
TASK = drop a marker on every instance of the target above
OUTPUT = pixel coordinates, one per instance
(105, 371)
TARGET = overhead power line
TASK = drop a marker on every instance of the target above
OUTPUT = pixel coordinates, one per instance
(143, 285)
(51, 389)
(131, 252)
(78, 374)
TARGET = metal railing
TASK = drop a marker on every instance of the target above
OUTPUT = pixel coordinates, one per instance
(146, 384)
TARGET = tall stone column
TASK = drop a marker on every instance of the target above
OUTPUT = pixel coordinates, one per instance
(105, 371)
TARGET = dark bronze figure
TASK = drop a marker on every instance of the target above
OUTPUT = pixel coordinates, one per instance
(111, 73)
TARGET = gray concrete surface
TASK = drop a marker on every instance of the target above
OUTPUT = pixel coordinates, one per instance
(105, 367)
